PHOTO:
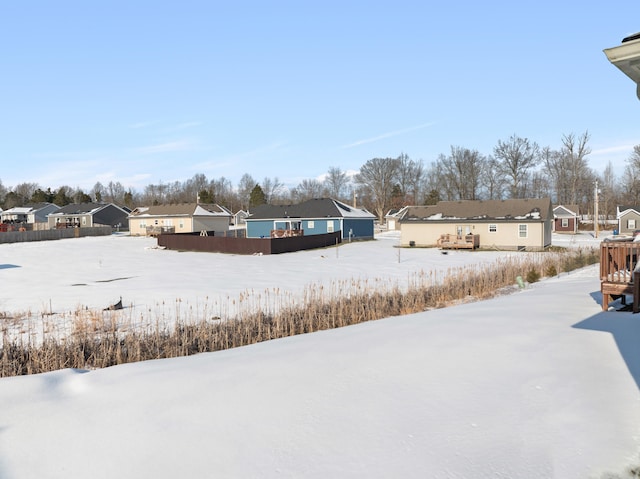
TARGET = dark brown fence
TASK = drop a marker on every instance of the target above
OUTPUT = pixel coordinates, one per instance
(46, 235)
(224, 244)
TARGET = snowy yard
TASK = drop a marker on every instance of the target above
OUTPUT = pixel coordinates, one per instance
(537, 384)
(48, 282)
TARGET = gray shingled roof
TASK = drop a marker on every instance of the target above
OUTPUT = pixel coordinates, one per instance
(569, 208)
(516, 209)
(314, 208)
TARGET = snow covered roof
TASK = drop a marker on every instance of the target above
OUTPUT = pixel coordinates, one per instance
(483, 210)
(181, 209)
(26, 209)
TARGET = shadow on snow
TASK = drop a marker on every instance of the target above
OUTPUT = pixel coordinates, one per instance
(625, 329)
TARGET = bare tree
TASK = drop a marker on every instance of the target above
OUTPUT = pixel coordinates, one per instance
(409, 178)
(461, 172)
(306, 190)
(515, 157)
(3, 192)
(377, 177)
(492, 180)
(610, 192)
(114, 193)
(631, 178)
(577, 172)
(538, 185)
(222, 191)
(193, 186)
(245, 186)
(336, 183)
(272, 189)
(24, 191)
(98, 192)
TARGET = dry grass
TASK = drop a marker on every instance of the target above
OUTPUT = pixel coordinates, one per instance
(102, 339)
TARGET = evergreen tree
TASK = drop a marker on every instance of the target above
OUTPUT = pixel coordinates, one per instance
(40, 196)
(257, 196)
(128, 199)
(206, 197)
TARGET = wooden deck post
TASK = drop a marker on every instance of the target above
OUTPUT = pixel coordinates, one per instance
(620, 272)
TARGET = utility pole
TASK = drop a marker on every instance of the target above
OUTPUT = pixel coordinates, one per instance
(595, 211)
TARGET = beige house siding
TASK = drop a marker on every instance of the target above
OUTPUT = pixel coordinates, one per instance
(505, 236)
(628, 222)
(138, 225)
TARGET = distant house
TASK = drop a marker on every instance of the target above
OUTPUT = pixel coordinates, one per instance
(32, 214)
(312, 217)
(522, 224)
(86, 215)
(178, 218)
(239, 217)
(628, 219)
(566, 218)
(393, 218)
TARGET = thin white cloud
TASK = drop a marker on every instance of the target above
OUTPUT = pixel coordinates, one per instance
(614, 149)
(164, 147)
(236, 158)
(387, 135)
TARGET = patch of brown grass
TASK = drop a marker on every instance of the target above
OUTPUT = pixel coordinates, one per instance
(102, 339)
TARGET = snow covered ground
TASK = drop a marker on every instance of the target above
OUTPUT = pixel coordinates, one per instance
(68, 276)
(537, 384)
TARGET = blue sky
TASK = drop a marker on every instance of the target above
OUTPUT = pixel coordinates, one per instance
(146, 92)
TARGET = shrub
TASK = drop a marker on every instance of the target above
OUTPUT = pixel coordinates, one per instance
(533, 276)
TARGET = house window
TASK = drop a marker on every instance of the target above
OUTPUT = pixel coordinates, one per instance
(287, 225)
(493, 228)
(459, 230)
(181, 224)
(330, 227)
(143, 224)
(522, 231)
(310, 225)
(565, 222)
(631, 224)
(84, 221)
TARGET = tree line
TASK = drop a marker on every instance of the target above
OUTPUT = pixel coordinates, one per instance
(516, 168)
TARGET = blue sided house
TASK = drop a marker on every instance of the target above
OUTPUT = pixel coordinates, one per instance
(313, 217)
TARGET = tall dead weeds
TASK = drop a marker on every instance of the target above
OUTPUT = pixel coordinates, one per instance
(99, 340)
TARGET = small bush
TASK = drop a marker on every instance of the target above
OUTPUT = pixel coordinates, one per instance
(533, 276)
(551, 271)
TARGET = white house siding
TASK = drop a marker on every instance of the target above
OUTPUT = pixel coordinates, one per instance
(506, 235)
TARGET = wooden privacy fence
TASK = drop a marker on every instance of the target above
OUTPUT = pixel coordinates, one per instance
(54, 234)
(212, 243)
(620, 272)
